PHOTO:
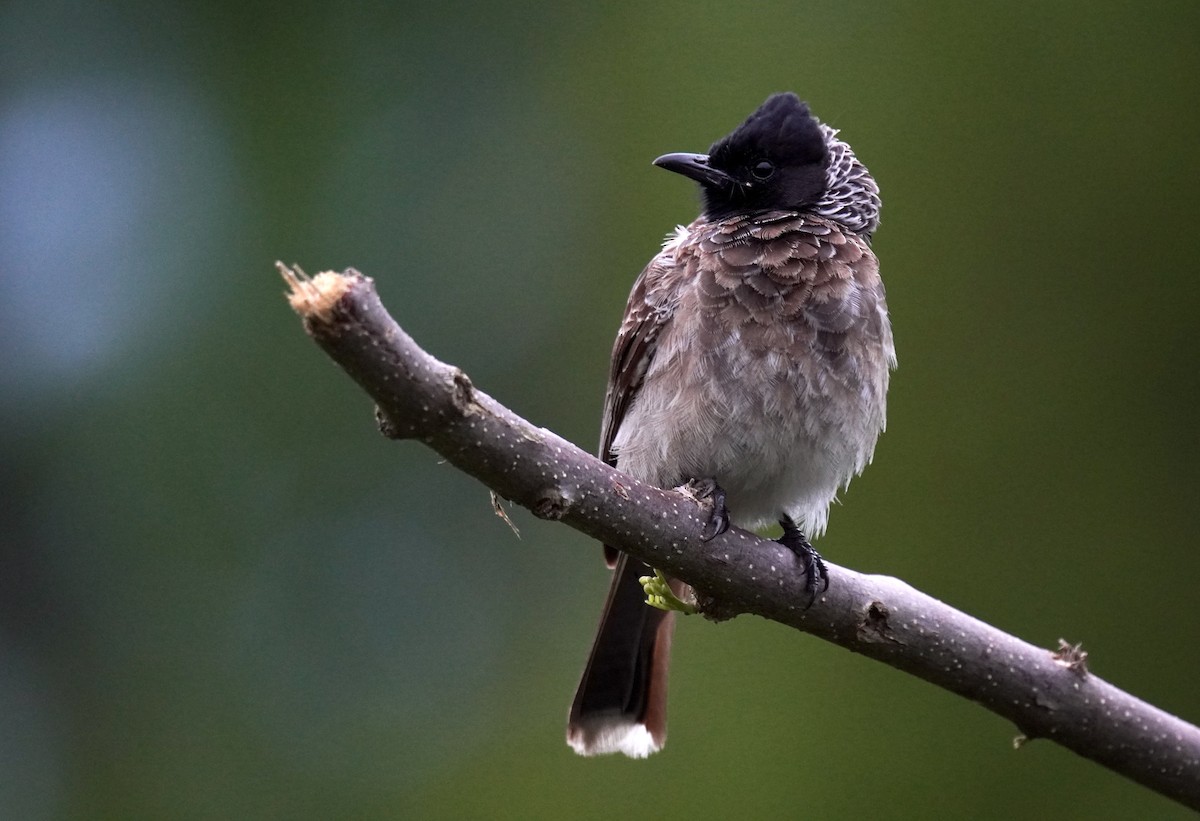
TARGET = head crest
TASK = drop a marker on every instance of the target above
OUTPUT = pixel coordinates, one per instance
(782, 127)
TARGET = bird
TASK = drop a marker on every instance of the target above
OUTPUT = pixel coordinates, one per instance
(754, 358)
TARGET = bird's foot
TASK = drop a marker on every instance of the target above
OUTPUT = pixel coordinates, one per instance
(707, 490)
(659, 594)
(810, 560)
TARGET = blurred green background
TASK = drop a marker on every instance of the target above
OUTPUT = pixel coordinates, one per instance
(224, 595)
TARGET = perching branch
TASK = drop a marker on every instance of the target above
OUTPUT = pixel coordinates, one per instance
(1046, 694)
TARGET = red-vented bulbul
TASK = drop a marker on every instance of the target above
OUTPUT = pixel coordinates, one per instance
(754, 353)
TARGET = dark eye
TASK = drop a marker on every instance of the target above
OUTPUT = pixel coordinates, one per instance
(763, 170)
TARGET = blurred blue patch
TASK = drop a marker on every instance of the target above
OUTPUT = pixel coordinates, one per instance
(110, 196)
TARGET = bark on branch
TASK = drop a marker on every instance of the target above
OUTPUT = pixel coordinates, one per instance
(1046, 694)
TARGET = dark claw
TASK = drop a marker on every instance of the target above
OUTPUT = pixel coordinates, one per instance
(810, 560)
(718, 519)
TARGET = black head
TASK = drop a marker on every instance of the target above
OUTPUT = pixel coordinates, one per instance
(776, 159)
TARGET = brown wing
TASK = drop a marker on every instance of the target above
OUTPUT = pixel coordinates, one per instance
(648, 311)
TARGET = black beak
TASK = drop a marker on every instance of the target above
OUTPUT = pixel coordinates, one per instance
(696, 167)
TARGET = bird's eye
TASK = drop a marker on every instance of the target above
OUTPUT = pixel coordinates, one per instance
(762, 170)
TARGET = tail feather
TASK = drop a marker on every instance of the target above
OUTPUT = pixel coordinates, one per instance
(621, 702)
